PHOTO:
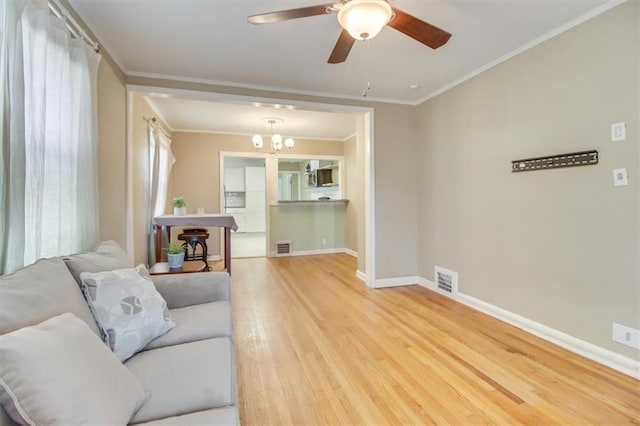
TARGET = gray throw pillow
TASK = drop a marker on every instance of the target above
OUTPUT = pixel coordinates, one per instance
(107, 256)
(59, 372)
(127, 307)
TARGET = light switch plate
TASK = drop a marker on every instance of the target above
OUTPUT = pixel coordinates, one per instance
(618, 131)
(620, 177)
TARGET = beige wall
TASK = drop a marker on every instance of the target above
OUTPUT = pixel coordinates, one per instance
(556, 246)
(196, 173)
(111, 152)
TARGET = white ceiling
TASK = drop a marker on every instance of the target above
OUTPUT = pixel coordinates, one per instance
(207, 40)
(211, 41)
(204, 116)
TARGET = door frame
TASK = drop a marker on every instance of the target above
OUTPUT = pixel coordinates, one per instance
(260, 155)
(368, 276)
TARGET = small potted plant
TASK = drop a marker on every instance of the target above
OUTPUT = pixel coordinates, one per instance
(175, 255)
(179, 208)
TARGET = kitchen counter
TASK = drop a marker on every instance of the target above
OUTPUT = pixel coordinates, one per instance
(310, 202)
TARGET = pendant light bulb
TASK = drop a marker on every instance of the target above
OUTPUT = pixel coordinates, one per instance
(257, 141)
(289, 143)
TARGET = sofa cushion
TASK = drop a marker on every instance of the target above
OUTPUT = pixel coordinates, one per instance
(59, 372)
(128, 309)
(107, 256)
(180, 290)
(184, 378)
(196, 322)
(38, 292)
(215, 416)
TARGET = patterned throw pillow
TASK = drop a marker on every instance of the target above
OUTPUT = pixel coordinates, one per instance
(127, 307)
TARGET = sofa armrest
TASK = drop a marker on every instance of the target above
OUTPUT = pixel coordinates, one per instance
(180, 290)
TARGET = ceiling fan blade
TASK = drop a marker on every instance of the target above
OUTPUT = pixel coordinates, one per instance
(342, 48)
(419, 30)
(284, 15)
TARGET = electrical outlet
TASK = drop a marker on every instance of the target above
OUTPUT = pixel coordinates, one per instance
(324, 241)
(620, 177)
(626, 335)
(618, 131)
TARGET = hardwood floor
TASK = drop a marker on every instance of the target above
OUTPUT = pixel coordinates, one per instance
(316, 346)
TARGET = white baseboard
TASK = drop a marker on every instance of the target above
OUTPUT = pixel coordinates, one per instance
(361, 276)
(395, 282)
(581, 347)
(309, 252)
(350, 252)
(316, 252)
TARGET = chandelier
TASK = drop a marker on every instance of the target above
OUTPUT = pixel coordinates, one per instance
(277, 141)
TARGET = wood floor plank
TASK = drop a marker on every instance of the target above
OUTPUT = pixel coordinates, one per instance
(316, 346)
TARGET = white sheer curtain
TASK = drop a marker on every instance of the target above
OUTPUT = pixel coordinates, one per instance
(161, 161)
(49, 136)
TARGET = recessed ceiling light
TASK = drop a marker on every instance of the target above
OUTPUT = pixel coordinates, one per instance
(414, 86)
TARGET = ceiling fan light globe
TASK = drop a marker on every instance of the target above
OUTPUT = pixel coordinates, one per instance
(364, 19)
(257, 141)
(289, 143)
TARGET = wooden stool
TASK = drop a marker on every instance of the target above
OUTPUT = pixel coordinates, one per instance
(192, 240)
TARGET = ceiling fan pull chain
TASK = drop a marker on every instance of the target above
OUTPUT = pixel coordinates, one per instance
(366, 69)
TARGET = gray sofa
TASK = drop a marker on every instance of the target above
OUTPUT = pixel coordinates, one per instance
(189, 372)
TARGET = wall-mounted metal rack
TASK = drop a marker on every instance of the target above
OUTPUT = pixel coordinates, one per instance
(573, 159)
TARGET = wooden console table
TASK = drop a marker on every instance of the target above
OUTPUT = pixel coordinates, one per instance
(216, 220)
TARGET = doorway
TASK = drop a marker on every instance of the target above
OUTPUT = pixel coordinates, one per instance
(289, 186)
(244, 197)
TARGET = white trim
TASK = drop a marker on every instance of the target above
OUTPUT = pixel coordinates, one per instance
(350, 252)
(247, 99)
(259, 155)
(361, 276)
(309, 252)
(351, 136)
(275, 89)
(296, 137)
(129, 219)
(536, 41)
(396, 282)
(369, 199)
(214, 257)
(581, 347)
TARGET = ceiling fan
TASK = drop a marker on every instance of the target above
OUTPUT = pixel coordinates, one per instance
(361, 20)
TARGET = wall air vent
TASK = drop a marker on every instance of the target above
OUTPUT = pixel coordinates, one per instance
(446, 281)
(283, 248)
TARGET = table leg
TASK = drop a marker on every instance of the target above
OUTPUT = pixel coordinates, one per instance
(158, 230)
(227, 249)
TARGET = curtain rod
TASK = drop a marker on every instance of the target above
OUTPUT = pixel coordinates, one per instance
(76, 30)
(154, 120)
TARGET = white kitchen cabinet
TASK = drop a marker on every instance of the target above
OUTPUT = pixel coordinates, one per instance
(255, 202)
(255, 222)
(238, 215)
(254, 179)
(234, 179)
